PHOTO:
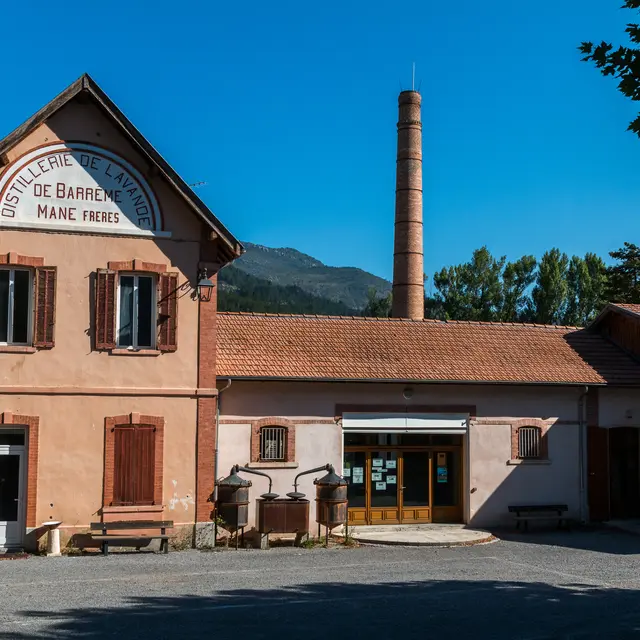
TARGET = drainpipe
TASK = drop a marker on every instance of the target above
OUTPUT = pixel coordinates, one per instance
(215, 451)
(582, 443)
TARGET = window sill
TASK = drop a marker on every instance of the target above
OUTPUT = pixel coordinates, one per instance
(534, 463)
(152, 508)
(272, 465)
(14, 348)
(135, 352)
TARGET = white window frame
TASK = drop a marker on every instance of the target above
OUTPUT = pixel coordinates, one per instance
(279, 434)
(10, 341)
(154, 310)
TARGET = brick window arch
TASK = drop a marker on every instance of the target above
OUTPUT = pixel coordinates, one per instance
(273, 440)
(529, 440)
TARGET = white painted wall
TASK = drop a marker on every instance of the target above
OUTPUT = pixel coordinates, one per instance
(499, 484)
(614, 405)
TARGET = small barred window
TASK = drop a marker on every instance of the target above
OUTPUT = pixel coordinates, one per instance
(273, 443)
(529, 443)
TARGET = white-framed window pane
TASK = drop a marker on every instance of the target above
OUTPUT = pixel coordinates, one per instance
(21, 304)
(272, 443)
(145, 311)
(4, 305)
(529, 442)
(127, 306)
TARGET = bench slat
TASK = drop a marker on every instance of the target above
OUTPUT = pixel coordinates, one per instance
(113, 538)
(541, 517)
(538, 507)
(132, 524)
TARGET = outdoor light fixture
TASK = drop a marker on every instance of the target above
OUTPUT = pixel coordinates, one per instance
(205, 286)
(407, 394)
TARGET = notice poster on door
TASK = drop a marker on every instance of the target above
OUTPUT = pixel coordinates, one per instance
(442, 475)
(392, 480)
(346, 473)
(381, 486)
(376, 476)
(358, 475)
(391, 464)
(377, 462)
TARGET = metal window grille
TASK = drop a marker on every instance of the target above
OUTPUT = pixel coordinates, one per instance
(272, 443)
(529, 442)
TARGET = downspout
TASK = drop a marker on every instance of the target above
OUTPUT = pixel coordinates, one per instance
(582, 444)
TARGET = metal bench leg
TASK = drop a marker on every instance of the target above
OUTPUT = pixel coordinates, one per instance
(105, 548)
(166, 546)
(526, 525)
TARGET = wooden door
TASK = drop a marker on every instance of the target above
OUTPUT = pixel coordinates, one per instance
(624, 472)
(598, 473)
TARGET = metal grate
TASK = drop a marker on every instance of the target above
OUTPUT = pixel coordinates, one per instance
(528, 442)
(272, 443)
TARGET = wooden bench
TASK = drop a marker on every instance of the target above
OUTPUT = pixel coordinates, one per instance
(131, 540)
(527, 512)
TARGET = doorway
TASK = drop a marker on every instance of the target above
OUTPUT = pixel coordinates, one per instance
(624, 472)
(401, 479)
(12, 517)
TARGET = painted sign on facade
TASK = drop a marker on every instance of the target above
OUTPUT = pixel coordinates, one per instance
(77, 187)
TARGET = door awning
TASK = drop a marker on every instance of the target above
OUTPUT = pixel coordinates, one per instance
(405, 423)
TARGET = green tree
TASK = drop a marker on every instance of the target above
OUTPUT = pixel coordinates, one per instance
(469, 291)
(517, 277)
(548, 298)
(623, 63)
(377, 306)
(624, 277)
(586, 283)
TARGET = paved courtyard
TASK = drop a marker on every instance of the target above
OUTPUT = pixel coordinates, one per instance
(544, 585)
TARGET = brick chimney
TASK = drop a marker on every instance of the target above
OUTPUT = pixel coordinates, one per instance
(408, 274)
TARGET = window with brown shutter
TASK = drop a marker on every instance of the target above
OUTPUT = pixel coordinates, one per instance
(168, 312)
(44, 307)
(134, 465)
(105, 311)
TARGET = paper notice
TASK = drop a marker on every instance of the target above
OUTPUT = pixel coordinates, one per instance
(346, 473)
(391, 464)
(376, 476)
(391, 480)
(381, 486)
(377, 462)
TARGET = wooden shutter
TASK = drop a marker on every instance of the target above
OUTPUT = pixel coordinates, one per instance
(44, 307)
(145, 467)
(168, 311)
(105, 315)
(123, 465)
(134, 468)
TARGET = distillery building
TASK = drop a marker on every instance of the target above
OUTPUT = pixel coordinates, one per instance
(124, 394)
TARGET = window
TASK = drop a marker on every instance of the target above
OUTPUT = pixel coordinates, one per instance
(16, 295)
(134, 470)
(273, 443)
(529, 443)
(136, 311)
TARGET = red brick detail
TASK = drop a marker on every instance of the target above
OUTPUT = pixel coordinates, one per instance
(593, 408)
(406, 408)
(137, 265)
(109, 457)
(14, 259)
(290, 446)
(530, 422)
(207, 407)
(31, 425)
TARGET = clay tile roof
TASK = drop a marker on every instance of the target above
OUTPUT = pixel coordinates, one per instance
(263, 346)
(633, 308)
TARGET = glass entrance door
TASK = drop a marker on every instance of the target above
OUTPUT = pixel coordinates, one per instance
(11, 496)
(416, 486)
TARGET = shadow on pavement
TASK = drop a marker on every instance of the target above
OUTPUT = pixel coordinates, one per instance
(406, 610)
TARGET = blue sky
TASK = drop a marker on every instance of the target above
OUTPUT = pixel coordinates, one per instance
(288, 110)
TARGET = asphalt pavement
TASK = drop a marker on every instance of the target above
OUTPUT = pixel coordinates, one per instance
(583, 584)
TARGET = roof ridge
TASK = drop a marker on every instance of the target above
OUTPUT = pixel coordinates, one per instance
(311, 316)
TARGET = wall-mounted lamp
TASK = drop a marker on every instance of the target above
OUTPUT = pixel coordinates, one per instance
(407, 394)
(205, 286)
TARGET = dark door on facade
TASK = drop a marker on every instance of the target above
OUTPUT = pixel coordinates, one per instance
(624, 471)
(598, 470)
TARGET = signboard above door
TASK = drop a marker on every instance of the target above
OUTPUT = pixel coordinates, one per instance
(78, 187)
